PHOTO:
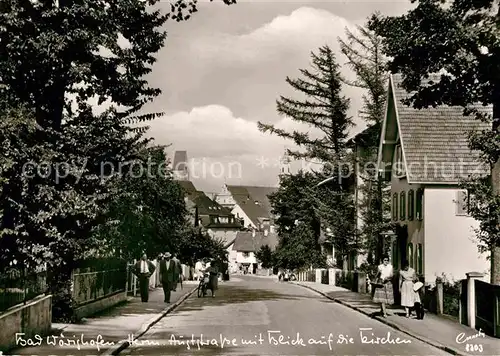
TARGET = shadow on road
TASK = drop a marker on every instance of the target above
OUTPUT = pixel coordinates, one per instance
(237, 294)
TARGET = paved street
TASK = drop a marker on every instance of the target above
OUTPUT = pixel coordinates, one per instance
(259, 316)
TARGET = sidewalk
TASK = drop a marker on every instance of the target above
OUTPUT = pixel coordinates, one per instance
(437, 331)
(105, 332)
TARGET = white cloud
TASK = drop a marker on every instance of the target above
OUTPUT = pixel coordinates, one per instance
(215, 138)
(304, 30)
(244, 73)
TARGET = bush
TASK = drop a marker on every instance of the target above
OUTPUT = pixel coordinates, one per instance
(451, 297)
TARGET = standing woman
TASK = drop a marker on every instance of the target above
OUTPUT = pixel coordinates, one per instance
(385, 293)
(408, 276)
(213, 270)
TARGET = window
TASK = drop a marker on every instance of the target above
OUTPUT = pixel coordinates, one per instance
(395, 254)
(420, 259)
(420, 199)
(395, 206)
(411, 204)
(462, 203)
(246, 254)
(410, 255)
(399, 169)
(402, 206)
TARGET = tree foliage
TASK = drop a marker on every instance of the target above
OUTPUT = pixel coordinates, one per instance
(265, 256)
(364, 52)
(366, 59)
(324, 109)
(304, 212)
(148, 212)
(63, 164)
(460, 41)
(194, 245)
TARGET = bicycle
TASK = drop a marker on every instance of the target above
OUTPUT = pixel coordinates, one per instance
(203, 286)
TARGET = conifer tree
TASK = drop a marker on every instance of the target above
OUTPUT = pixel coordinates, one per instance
(365, 57)
(323, 108)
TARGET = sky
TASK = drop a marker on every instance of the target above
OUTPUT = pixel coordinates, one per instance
(221, 72)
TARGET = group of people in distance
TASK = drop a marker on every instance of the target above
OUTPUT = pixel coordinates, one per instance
(170, 275)
(410, 287)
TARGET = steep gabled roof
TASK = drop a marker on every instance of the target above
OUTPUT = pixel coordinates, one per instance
(245, 242)
(253, 200)
(434, 140)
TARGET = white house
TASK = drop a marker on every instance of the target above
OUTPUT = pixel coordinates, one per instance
(424, 153)
(246, 244)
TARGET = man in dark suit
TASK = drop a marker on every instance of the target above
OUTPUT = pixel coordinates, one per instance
(167, 275)
(143, 269)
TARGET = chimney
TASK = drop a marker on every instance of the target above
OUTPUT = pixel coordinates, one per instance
(266, 232)
(271, 229)
(253, 233)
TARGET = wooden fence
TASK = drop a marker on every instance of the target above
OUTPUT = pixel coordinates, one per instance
(487, 307)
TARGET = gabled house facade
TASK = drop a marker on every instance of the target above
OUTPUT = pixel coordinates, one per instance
(249, 204)
(425, 155)
(242, 252)
(218, 221)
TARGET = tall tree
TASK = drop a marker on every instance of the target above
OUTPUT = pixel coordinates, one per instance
(366, 59)
(324, 109)
(364, 52)
(148, 210)
(460, 40)
(55, 55)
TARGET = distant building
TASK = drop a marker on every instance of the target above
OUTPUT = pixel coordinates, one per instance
(246, 244)
(424, 154)
(250, 204)
(218, 221)
(180, 168)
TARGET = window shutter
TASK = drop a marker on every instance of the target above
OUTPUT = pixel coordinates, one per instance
(395, 206)
(461, 202)
(410, 254)
(420, 259)
(411, 204)
(419, 210)
(402, 206)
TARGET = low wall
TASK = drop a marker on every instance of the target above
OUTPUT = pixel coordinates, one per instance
(100, 305)
(34, 318)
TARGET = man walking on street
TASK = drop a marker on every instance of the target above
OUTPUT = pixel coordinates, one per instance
(167, 276)
(177, 272)
(143, 269)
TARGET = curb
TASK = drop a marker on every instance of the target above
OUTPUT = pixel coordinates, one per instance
(389, 323)
(116, 349)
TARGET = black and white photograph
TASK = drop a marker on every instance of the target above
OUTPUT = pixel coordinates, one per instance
(250, 177)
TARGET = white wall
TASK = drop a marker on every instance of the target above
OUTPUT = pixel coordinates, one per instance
(449, 239)
(240, 258)
(233, 265)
